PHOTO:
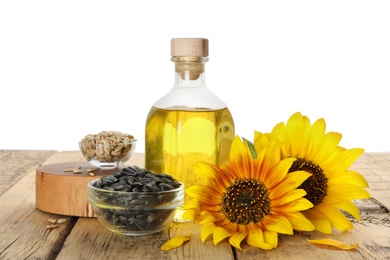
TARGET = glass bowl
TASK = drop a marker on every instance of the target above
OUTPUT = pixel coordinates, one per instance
(134, 205)
(107, 156)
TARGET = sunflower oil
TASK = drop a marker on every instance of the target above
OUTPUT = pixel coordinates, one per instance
(179, 138)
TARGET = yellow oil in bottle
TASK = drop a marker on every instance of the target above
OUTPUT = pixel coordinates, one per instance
(176, 139)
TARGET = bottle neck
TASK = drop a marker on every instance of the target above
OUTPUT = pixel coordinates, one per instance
(189, 71)
(190, 91)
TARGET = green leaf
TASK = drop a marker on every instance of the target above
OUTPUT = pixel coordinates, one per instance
(251, 146)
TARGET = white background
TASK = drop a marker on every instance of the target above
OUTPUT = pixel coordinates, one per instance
(71, 68)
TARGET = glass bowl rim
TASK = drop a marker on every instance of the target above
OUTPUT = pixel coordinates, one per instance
(132, 141)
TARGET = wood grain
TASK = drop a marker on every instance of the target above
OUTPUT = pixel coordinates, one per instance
(90, 240)
(65, 193)
(14, 164)
(23, 233)
(375, 167)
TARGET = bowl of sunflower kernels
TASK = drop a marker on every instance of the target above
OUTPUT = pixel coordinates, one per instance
(107, 149)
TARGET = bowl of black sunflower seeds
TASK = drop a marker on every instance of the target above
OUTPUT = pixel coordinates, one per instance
(135, 201)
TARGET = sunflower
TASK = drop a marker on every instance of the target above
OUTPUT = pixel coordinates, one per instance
(249, 199)
(332, 186)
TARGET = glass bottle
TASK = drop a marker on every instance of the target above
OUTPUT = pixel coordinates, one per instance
(189, 124)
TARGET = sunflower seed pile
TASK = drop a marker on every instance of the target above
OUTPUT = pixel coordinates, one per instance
(106, 146)
(140, 192)
(136, 179)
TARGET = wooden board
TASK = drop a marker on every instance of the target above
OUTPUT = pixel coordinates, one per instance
(14, 164)
(23, 232)
(65, 193)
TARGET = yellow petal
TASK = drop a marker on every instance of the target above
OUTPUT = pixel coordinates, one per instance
(206, 217)
(220, 234)
(204, 194)
(190, 214)
(296, 205)
(298, 221)
(295, 127)
(350, 177)
(256, 237)
(271, 238)
(291, 196)
(212, 175)
(341, 161)
(175, 242)
(236, 239)
(322, 225)
(278, 172)
(207, 229)
(291, 182)
(333, 242)
(277, 224)
(347, 158)
(261, 140)
(344, 205)
(279, 132)
(330, 143)
(347, 191)
(337, 219)
(320, 222)
(240, 157)
(192, 204)
(315, 138)
(267, 159)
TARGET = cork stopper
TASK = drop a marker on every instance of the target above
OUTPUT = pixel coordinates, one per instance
(193, 47)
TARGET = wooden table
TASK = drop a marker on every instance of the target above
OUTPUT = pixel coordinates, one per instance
(23, 232)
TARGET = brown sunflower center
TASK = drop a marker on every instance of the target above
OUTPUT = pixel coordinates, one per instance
(316, 186)
(245, 201)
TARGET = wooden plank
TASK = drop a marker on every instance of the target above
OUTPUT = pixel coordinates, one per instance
(23, 232)
(90, 240)
(17, 163)
(375, 167)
